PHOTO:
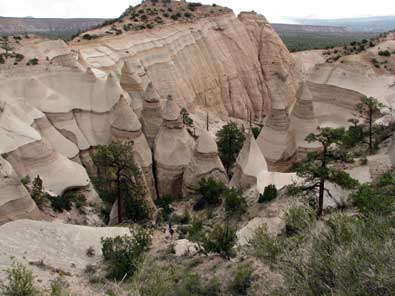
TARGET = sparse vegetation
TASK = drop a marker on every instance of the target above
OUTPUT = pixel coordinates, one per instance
(20, 282)
(269, 194)
(220, 240)
(124, 254)
(211, 192)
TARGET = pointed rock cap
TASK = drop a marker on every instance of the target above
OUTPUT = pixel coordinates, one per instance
(171, 111)
(126, 119)
(206, 144)
(251, 159)
(303, 92)
(150, 94)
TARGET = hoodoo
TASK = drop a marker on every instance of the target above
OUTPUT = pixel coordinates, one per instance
(205, 163)
(152, 114)
(276, 140)
(127, 127)
(249, 164)
(173, 151)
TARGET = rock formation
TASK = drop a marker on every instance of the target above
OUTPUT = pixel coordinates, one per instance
(205, 163)
(276, 140)
(249, 164)
(152, 114)
(303, 121)
(172, 152)
(15, 201)
(127, 127)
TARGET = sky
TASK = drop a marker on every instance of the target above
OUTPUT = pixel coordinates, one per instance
(274, 10)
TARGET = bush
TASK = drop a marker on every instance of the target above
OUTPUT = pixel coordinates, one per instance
(384, 53)
(124, 254)
(242, 280)
(264, 246)
(235, 203)
(211, 191)
(32, 62)
(59, 287)
(37, 192)
(164, 204)
(299, 219)
(220, 240)
(61, 203)
(19, 282)
(90, 252)
(195, 230)
(269, 194)
(256, 131)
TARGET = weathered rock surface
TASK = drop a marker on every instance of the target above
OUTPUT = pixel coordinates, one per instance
(205, 163)
(249, 164)
(231, 65)
(172, 152)
(15, 200)
(59, 246)
(304, 121)
(276, 139)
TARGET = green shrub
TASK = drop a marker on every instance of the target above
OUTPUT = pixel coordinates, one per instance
(59, 287)
(256, 131)
(211, 191)
(19, 282)
(384, 53)
(299, 219)
(124, 254)
(60, 203)
(242, 280)
(269, 194)
(195, 230)
(32, 62)
(90, 252)
(264, 246)
(220, 240)
(235, 203)
(37, 192)
(164, 205)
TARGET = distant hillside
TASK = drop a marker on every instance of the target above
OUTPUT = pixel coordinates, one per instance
(50, 27)
(280, 28)
(376, 24)
(306, 37)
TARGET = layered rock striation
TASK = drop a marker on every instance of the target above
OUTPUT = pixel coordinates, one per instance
(172, 151)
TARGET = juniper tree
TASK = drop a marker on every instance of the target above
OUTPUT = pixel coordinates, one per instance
(317, 169)
(119, 179)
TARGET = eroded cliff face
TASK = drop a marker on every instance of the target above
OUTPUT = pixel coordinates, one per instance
(53, 115)
(231, 66)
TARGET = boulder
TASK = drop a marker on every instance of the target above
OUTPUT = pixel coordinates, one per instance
(152, 114)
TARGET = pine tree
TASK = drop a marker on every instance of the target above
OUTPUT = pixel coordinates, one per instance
(368, 109)
(119, 179)
(317, 169)
(230, 140)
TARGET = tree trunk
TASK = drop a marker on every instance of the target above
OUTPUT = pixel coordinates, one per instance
(370, 133)
(321, 198)
(119, 199)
